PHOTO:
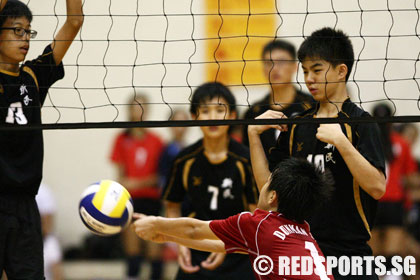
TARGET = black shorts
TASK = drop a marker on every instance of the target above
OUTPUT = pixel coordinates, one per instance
(413, 221)
(235, 266)
(389, 214)
(21, 245)
(147, 206)
(347, 248)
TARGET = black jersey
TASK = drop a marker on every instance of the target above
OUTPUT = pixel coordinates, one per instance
(21, 97)
(216, 191)
(301, 103)
(343, 225)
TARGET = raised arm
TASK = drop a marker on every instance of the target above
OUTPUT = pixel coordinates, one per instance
(69, 30)
(370, 178)
(258, 159)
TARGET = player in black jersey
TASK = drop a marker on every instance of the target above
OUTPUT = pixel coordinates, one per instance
(279, 58)
(351, 151)
(215, 174)
(23, 88)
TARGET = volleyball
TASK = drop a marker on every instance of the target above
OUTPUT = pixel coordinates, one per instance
(106, 207)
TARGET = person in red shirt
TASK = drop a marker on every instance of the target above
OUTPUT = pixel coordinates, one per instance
(389, 235)
(276, 229)
(136, 153)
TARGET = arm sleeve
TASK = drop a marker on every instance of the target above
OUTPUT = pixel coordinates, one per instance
(370, 144)
(231, 232)
(174, 190)
(280, 151)
(46, 71)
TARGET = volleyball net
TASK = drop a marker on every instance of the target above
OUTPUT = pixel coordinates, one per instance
(166, 49)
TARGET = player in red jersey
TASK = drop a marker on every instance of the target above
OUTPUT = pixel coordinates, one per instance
(136, 154)
(389, 237)
(276, 229)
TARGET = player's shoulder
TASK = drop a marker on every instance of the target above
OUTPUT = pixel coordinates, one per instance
(154, 137)
(239, 151)
(259, 216)
(258, 107)
(308, 113)
(48, 51)
(351, 109)
(189, 152)
(122, 136)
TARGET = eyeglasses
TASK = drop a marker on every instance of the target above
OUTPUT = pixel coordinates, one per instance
(20, 31)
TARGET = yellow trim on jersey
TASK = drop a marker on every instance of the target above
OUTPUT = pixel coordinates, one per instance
(30, 72)
(241, 169)
(15, 74)
(186, 171)
(192, 215)
(99, 197)
(356, 187)
(358, 201)
(292, 132)
(174, 169)
(241, 158)
(120, 207)
(245, 202)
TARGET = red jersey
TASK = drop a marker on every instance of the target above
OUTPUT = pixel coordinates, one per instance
(139, 158)
(270, 234)
(403, 164)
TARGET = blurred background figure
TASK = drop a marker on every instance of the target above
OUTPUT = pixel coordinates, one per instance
(280, 66)
(136, 154)
(175, 145)
(389, 235)
(409, 132)
(52, 250)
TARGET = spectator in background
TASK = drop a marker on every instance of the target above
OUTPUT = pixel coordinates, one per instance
(52, 250)
(409, 132)
(136, 153)
(215, 175)
(389, 236)
(175, 145)
(279, 58)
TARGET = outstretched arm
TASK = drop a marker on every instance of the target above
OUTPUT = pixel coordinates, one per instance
(68, 31)
(185, 228)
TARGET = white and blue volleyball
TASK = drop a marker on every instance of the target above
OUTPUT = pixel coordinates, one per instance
(106, 207)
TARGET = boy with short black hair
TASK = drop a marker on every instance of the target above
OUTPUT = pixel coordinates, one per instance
(279, 66)
(23, 89)
(352, 152)
(215, 176)
(276, 229)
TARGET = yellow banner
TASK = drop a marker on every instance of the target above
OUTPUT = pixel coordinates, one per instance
(236, 32)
